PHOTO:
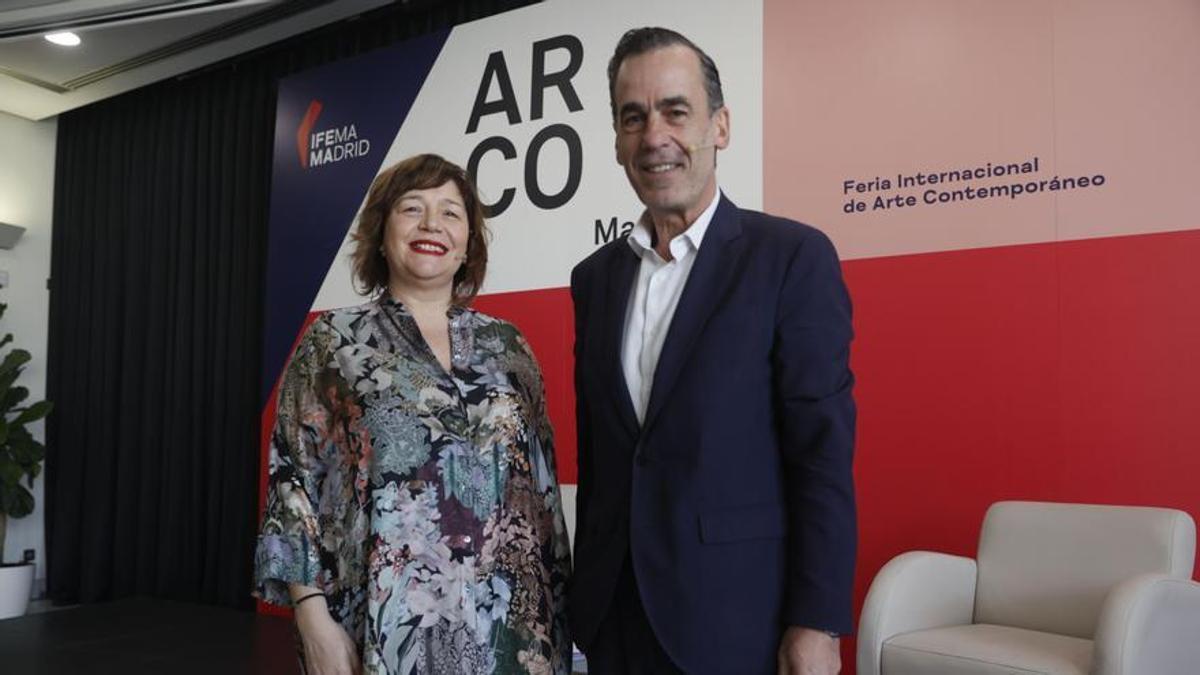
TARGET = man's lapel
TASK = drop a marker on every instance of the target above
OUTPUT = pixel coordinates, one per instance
(623, 273)
(711, 274)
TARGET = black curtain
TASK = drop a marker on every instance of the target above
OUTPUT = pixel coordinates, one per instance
(156, 305)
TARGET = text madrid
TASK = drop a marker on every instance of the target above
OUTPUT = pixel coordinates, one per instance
(335, 145)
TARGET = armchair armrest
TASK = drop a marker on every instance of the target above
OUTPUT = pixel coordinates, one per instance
(1149, 624)
(914, 591)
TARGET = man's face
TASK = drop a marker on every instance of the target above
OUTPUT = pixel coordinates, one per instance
(666, 139)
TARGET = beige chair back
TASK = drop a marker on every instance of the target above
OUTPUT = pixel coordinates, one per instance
(1048, 567)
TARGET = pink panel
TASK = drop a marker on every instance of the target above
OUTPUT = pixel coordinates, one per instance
(866, 88)
(1127, 102)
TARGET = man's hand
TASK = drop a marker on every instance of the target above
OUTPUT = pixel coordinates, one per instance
(805, 651)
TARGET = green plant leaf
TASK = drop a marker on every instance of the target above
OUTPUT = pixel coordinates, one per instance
(21, 455)
(16, 501)
(26, 452)
(34, 412)
(10, 474)
(29, 456)
(17, 433)
(7, 379)
(14, 360)
(14, 397)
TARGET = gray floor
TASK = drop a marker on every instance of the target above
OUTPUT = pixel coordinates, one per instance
(146, 636)
(149, 636)
(42, 606)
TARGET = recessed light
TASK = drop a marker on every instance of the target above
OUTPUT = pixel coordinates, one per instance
(67, 39)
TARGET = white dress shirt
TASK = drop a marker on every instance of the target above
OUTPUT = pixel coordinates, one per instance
(653, 300)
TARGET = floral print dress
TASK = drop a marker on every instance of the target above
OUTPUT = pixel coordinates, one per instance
(423, 502)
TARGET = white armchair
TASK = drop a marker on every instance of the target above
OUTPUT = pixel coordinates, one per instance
(1056, 589)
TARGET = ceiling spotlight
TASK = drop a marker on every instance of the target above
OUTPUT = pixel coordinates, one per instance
(67, 39)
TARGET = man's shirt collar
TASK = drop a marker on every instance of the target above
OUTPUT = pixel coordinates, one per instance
(641, 236)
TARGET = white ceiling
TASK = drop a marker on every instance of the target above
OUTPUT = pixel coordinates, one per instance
(132, 43)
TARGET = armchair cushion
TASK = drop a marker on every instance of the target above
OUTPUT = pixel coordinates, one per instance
(984, 649)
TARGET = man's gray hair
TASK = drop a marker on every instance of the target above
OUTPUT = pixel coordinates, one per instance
(642, 40)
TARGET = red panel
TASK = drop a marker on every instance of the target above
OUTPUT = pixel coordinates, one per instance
(955, 358)
(1055, 371)
(1061, 372)
(1130, 406)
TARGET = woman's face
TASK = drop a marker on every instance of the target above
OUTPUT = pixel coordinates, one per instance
(425, 238)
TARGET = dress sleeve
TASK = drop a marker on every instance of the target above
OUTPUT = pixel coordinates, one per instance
(557, 555)
(545, 464)
(291, 538)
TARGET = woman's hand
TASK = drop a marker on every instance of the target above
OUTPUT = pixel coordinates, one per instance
(328, 650)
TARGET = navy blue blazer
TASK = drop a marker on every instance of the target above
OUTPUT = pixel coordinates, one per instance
(734, 498)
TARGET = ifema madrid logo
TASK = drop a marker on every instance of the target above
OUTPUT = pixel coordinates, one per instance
(327, 146)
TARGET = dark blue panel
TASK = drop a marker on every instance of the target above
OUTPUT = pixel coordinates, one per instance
(311, 206)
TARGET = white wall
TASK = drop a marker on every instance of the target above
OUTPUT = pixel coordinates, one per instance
(27, 199)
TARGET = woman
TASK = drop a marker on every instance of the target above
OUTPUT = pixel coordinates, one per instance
(413, 516)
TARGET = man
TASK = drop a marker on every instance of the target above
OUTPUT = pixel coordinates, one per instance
(716, 529)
